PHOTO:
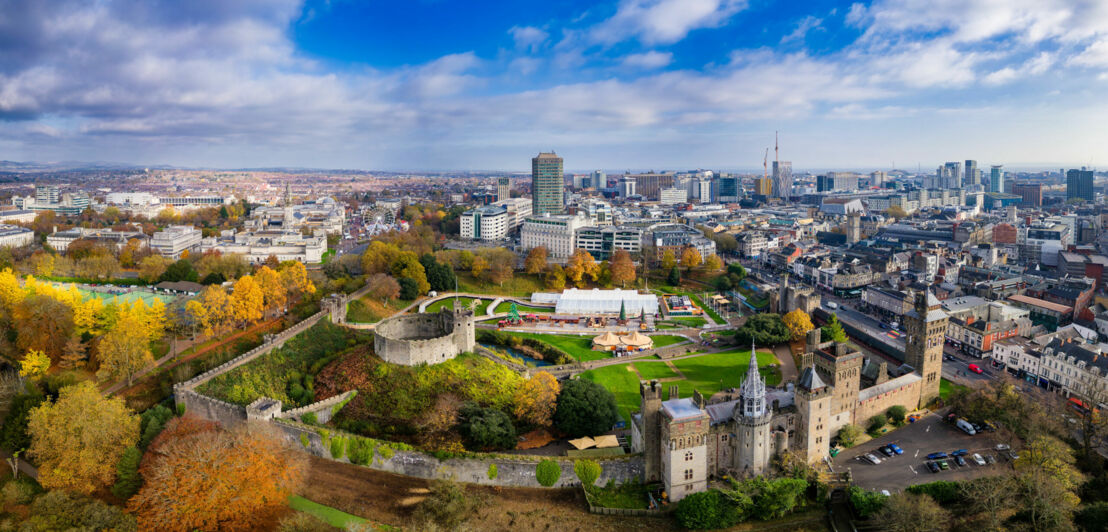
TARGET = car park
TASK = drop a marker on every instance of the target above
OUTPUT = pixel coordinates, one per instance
(959, 452)
(936, 456)
(896, 449)
(959, 460)
(978, 460)
(872, 458)
(943, 465)
(933, 467)
(885, 450)
(989, 459)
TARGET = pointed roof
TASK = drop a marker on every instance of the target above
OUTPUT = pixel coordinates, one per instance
(809, 380)
(636, 339)
(607, 339)
(753, 385)
(622, 310)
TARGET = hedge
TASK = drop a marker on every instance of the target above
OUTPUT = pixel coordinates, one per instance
(548, 472)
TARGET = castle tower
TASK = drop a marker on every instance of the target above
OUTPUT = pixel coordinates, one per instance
(648, 437)
(853, 227)
(926, 326)
(684, 432)
(847, 379)
(752, 418)
(463, 322)
(813, 404)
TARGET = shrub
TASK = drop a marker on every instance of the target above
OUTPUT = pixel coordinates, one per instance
(876, 422)
(304, 439)
(446, 506)
(13, 435)
(127, 479)
(309, 418)
(942, 491)
(386, 451)
(152, 423)
(493, 472)
(181, 410)
(705, 510)
(20, 491)
(303, 522)
(360, 451)
(338, 447)
(548, 472)
(848, 435)
(1092, 517)
(487, 428)
(58, 510)
(897, 414)
(409, 288)
(866, 503)
(585, 408)
(764, 329)
(587, 472)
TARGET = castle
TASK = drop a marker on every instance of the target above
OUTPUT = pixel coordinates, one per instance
(429, 338)
(686, 441)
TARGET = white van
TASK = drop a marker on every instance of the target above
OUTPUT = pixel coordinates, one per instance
(832, 305)
(965, 426)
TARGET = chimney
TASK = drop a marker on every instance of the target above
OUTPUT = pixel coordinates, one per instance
(698, 398)
(673, 392)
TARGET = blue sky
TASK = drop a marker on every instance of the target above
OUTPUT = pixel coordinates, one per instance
(622, 84)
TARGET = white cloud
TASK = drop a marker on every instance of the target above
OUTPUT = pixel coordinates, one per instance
(1033, 67)
(648, 60)
(857, 15)
(663, 21)
(805, 25)
(1094, 55)
(528, 38)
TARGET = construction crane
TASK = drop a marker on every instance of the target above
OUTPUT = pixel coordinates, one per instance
(765, 165)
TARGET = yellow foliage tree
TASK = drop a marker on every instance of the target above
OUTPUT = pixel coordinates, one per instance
(125, 350)
(78, 439)
(713, 263)
(10, 292)
(295, 277)
(669, 260)
(34, 364)
(581, 262)
(799, 323)
(537, 398)
(690, 258)
(247, 300)
(220, 309)
(199, 317)
(274, 294)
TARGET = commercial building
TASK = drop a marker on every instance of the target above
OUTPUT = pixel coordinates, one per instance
(176, 239)
(763, 186)
(1032, 194)
(503, 188)
(626, 187)
(676, 237)
(837, 181)
(782, 179)
(547, 184)
(650, 185)
(673, 196)
(60, 240)
(599, 179)
(602, 242)
(729, 189)
(973, 175)
(996, 178)
(489, 222)
(13, 236)
(1079, 185)
(257, 246)
(17, 215)
(557, 233)
(50, 198)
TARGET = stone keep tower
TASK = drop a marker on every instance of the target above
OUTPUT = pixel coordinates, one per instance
(465, 337)
(651, 395)
(813, 404)
(926, 326)
(853, 227)
(752, 418)
(684, 432)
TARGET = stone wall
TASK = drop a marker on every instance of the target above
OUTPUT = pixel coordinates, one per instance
(323, 410)
(510, 472)
(424, 338)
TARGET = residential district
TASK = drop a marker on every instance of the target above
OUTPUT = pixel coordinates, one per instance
(313, 350)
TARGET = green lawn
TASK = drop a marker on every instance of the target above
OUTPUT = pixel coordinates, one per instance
(654, 370)
(371, 310)
(465, 302)
(520, 285)
(662, 340)
(714, 315)
(332, 516)
(708, 373)
(690, 322)
(578, 347)
(627, 495)
(946, 388)
(505, 306)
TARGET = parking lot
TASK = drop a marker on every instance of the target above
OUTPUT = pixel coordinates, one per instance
(928, 435)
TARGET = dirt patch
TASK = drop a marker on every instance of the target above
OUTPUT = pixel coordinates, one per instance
(389, 499)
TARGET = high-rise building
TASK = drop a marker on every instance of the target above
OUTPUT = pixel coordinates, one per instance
(599, 179)
(547, 184)
(626, 187)
(763, 186)
(972, 177)
(1032, 194)
(503, 188)
(650, 185)
(996, 178)
(47, 194)
(877, 178)
(729, 189)
(782, 179)
(1079, 185)
(836, 181)
(950, 175)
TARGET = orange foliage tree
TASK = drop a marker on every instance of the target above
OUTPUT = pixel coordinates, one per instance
(537, 398)
(198, 477)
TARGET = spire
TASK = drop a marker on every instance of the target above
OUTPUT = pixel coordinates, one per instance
(753, 391)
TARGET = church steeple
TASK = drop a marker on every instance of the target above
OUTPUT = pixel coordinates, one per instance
(752, 395)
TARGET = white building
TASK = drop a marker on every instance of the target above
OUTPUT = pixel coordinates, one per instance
(557, 233)
(602, 242)
(60, 240)
(258, 246)
(518, 210)
(13, 236)
(17, 215)
(176, 239)
(674, 196)
(488, 222)
(597, 301)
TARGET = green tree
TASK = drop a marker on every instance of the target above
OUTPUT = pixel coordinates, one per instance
(587, 472)
(14, 435)
(908, 512)
(547, 472)
(180, 271)
(409, 288)
(127, 478)
(896, 414)
(877, 422)
(834, 330)
(487, 428)
(585, 408)
(674, 277)
(779, 497)
(866, 503)
(706, 510)
(848, 435)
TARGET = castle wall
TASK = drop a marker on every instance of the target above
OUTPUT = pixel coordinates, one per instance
(432, 338)
(903, 391)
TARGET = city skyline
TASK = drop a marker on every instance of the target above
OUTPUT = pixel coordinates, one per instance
(630, 83)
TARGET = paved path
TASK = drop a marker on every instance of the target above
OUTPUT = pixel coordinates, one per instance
(788, 365)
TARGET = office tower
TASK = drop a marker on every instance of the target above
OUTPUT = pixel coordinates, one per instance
(547, 184)
(703, 187)
(729, 189)
(47, 194)
(878, 178)
(503, 188)
(782, 175)
(581, 181)
(650, 185)
(1079, 185)
(972, 177)
(599, 179)
(626, 187)
(836, 181)
(763, 186)
(996, 178)
(1032, 194)
(952, 175)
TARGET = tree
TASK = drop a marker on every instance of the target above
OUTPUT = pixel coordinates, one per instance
(58, 510)
(218, 308)
(249, 470)
(409, 289)
(536, 398)
(547, 472)
(623, 270)
(34, 364)
(778, 497)
(383, 286)
(580, 263)
(897, 212)
(487, 428)
(42, 263)
(555, 277)
(274, 293)
(247, 300)
(44, 324)
(152, 268)
(799, 323)
(13, 435)
(74, 354)
(834, 330)
(866, 503)
(125, 350)
(79, 438)
(909, 512)
(585, 408)
(587, 472)
(713, 263)
(674, 277)
(480, 265)
(294, 275)
(127, 478)
(690, 258)
(896, 414)
(180, 271)
(848, 435)
(705, 510)
(407, 266)
(536, 260)
(669, 260)
(445, 508)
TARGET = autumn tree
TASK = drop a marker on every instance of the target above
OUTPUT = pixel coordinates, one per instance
(247, 300)
(908, 512)
(383, 286)
(501, 265)
(125, 350)
(219, 310)
(690, 258)
(537, 398)
(713, 263)
(34, 364)
(407, 266)
(217, 480)
(479, 267)
(581, 263)
(43, 323)
(294, 276)
(78, 439)
(555, 277)
(897, 212)
(536, 260)
(42, 263)
(669, 260)
(798, 322)
(274, 295)
(153, 267)
(74, 354)
(623, 270)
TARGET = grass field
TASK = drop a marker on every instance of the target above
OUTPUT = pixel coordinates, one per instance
(332, 516)
(520, 285)
(505, 306)
(578, 347)
(708, 373)
(946, 388)
(465, 302)
(372, 310)
(662, 340)
(690, 321)
(654, 370)
(708, 310)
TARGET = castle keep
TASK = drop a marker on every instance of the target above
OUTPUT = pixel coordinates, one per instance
(429, 338)
(687, 441)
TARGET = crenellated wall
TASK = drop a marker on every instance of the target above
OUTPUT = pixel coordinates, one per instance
(433, 338)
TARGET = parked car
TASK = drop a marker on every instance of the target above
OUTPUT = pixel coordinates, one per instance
(936, 456)
(873, 459)
(832, 305)
(959, 452)
(966, 426)
(1003, 447)
(896, 449)
(885, 450)
(948, 358)
(974, 368)
(943, 465)
(933, 467)
(978, 460)
(989, 459)
(959, 460)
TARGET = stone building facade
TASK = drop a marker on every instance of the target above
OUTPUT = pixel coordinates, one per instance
(429, 338)
(687, 441)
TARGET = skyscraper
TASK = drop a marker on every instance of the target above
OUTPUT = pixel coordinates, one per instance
(547, 184)
(503, 188)
(952, 175)
(1079, 185)
(599, 179)
(996, 178)
(729, 189)
(1032, 194)
(782, 175)
(972, 177)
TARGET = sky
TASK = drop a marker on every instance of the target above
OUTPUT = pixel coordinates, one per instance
(621, 84)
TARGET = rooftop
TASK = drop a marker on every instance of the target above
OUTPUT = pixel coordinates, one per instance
(678, 409)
